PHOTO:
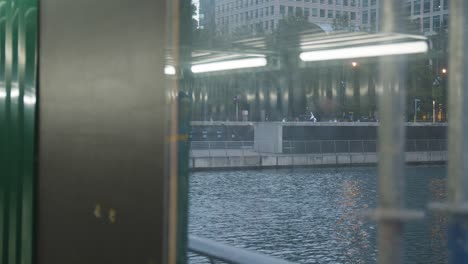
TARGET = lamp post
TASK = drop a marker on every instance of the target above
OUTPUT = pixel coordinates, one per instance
(236, 101)
(417, 107)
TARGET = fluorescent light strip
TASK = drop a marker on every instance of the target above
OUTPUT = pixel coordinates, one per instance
(354, 42)
(366, 51)
(229, 65)
(169, 70)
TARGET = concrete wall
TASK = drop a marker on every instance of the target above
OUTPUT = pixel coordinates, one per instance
(338, 159)
(268, 137)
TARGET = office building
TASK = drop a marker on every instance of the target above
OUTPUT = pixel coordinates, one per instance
(254, 16)
(430, 15)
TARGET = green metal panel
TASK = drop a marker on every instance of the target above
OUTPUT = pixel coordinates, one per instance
(18, 49)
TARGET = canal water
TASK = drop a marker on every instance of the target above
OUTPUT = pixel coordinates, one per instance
(312, 215)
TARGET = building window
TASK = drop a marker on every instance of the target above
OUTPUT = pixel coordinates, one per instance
(427, 24)
(365, 17)
(353, 2)
(290, 11)
(256, 13)
(436, 23)
(282, 10)
(436, 5)
(338, 14)
(338, 2)
(322, 12)
(373, 2)
(445, 22)
(314, 12)
(272, 10)
(373, 16)
(345, 2)
(345, 15)
(427, 6)
(330, 14)
(322, 1)
(407, 9)
(272, 25)
(446, 4)
(353, 15)
(330, 2)
(306, 12)
(365, 3)
(299, 11)
(417, 7)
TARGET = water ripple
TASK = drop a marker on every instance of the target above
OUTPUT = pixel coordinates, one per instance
(311, 215)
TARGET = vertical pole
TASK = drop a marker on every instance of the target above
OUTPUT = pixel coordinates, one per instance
(458, 147)
(392, 139)
(237, 110)
(433, 112)
(415, 109)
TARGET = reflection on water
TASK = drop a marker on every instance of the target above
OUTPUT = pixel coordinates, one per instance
(311, 215)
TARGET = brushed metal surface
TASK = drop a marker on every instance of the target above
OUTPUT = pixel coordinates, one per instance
(101, 132)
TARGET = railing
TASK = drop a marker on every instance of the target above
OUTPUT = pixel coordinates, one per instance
(207, 145)
(215, 252)
(246, 148)
(357, 146)
(222, 148)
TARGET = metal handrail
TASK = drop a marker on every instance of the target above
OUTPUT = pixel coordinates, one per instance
(315, 146)
(213, 145)
(291, 144)
(218, 251)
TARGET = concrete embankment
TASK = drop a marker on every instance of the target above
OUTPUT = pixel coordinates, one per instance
(318, 160)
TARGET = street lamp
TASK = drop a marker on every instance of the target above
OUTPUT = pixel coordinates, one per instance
(354, 64)
(444, 71)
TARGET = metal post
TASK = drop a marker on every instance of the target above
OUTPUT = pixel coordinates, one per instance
(209, 148)
(457, 206)
(391, 214)
(237, 110)
(415, 109)
(226, 148)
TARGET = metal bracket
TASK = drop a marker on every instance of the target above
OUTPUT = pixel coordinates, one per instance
(449, 209)
(395, 215)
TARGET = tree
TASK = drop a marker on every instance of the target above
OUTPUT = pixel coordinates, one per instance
(343, 23)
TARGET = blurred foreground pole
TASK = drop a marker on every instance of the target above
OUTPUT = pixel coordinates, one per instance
(391, 214)
(458, 128)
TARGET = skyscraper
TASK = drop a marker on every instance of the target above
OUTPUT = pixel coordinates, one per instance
(207, 15)
(429, 15)
(254, 16)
